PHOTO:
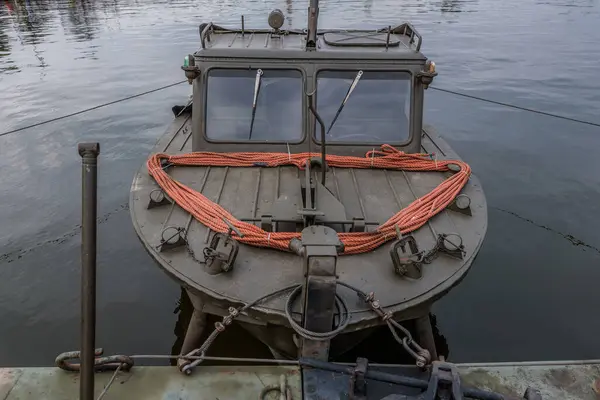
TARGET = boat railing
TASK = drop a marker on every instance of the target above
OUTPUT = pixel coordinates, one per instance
(404, 29)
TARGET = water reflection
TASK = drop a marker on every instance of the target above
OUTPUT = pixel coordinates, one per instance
(451, 6)
(33, 24)
(289, 11)
(4, 40)
(367, 6)
(81, 20)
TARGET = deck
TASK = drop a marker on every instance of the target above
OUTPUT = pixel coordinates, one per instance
(374, 195)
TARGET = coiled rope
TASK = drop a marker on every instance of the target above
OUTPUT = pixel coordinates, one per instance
(408, 219)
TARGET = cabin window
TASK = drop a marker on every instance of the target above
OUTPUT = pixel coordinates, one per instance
(377, 110)
(278, 111)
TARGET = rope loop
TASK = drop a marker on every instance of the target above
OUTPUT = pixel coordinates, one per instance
(387, 157)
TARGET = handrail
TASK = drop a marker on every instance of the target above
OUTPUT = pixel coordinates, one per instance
(407, 29)
(204, 33)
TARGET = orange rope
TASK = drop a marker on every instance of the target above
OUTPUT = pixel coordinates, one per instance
(408, 219)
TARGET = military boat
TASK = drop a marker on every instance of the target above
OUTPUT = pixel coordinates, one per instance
(299, 194)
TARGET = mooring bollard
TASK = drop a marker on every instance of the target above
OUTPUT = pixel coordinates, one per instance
(89, 181)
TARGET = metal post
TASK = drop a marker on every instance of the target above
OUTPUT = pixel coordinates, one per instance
(313, 16)
(89, 154)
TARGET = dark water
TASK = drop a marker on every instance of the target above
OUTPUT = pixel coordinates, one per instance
(533, 292)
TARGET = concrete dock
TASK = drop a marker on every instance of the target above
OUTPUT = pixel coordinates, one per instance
(556, 381)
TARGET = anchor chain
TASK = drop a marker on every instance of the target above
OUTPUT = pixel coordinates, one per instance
(192, 254)
(452, 247)
(208, 253)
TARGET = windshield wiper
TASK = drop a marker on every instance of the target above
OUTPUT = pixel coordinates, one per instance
(350, 90)
(259, 73)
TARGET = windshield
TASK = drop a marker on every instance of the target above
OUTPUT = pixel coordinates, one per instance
(277, 111)
(376, 110)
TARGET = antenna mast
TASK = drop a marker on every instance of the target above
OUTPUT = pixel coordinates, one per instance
(313, 16)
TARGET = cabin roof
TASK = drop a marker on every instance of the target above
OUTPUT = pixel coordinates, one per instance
(400, 43)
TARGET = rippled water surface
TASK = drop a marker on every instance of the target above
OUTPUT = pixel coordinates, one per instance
(533, 291)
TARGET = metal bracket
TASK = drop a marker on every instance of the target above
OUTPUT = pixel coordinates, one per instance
(407, 264)
(318, 247)
(171, 238)
(158, 198)
(358, 224)
(266, 222)
(222, 251)
(444, 382)
(461, 204)
(358, 383)
(308, 189)
(427, 74)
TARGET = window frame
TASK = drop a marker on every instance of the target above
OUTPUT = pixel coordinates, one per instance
(254, 67)
(316, 134)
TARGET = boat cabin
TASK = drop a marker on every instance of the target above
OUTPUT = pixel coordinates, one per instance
(252, 89)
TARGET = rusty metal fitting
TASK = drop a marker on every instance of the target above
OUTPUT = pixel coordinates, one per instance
(233, 312)
(370, 297)
(219, 326)
(386, 316)
(424, 353)
(375, 305)
(421, 362)
(421, 356)
(109, 363)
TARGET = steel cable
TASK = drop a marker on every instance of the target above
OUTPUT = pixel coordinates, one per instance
(580, 121)
(91, 108)
(516, 107)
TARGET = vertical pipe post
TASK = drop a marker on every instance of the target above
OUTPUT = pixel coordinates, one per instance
(89, 181)
(313, 17)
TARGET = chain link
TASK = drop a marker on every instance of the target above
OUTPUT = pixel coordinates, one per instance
(205, 253)
(429, 256)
